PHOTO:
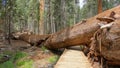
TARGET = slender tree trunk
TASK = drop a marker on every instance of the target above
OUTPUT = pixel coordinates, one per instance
(63, 13)
(54, 26)
(75, 11)
(51, 16)
(41, 23)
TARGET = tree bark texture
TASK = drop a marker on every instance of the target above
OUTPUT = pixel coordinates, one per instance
(106, 43)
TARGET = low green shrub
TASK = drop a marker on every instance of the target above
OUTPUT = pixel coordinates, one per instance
(16, 60)
(53, 59)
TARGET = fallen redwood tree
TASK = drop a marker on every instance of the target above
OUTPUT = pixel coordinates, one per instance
(80, 33)
(104, 44)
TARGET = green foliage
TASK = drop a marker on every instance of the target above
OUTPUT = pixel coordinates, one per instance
(25, 13)
(21, 12)
(43, 48)
(90, 7)
(7, 64)
(19, 55)
(60, 14)
(24, 63)
(53, 59)
(14, 58)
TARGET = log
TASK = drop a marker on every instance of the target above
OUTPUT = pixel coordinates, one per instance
(33, 39)
(80, 33)
(30, 38)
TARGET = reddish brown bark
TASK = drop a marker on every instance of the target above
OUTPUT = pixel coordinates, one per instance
(106, 43)
(110, 43)
(99, 6)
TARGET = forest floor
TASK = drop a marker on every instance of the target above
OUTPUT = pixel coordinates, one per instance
(21, 55)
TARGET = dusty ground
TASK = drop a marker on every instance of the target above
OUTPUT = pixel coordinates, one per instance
(41, 58)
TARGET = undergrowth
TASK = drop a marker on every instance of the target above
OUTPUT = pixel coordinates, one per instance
(24, 63)
(15, 60)
(43, 48)
(53, 59)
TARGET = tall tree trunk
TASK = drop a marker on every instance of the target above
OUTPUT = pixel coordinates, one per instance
(99, 6)
(50, 17)
(41, 27)
(75, 11)
(63, 13)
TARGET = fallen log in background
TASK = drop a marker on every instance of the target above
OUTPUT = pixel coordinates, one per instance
(34, 39)
(80, 33)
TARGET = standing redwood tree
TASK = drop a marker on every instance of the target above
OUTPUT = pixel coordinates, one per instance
(99, 6)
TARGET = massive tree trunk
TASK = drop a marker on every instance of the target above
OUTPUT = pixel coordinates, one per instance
(80, 33)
